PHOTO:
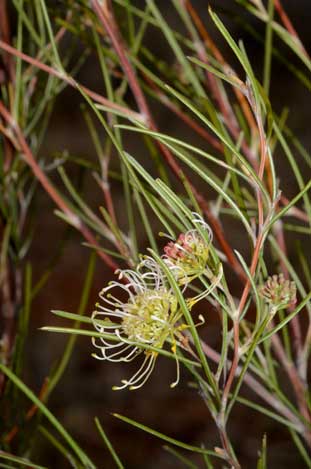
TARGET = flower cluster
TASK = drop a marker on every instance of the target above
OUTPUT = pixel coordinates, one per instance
(279, 292)
(145, 320)
(150, 315)
(187, 256)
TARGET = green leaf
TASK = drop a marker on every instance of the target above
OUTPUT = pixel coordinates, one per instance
(51, 36)
(85, 294)
(114, 455)
(287, 207)
(186, 462)
(262, 462)
(240, 54)
(268, 48)
(93, 333)
(288, 318)
(292, 44)
(192, 77)
(22, 461)
(267, 412)
(232, 79)
(302, 450)
(59, 447)
(176, 205)
(48, 414)
(246, 167)
(164, 138)
(295, 168)
(253, 285)
(168, 439)
(192, 327)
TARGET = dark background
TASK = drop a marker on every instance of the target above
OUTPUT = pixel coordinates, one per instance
(85, 390)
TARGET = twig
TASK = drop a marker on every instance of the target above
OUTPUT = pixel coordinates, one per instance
(221, 99)
(184, 117)
(288, 25)
(258, 389)
(7, 309)
(30, 413)
(295, 325)
(297, 384)
(294, 211)
(48, 187)
(5, 34)
(107, 19)
(62, 76)
(6, 283)
(219, 57)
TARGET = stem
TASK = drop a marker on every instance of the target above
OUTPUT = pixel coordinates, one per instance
(288, 25)
(30, 413)
(107, 19)
(163, 98)
(295, 325)
(48, 187)
(258, 389)
(51, 71)
(297, 384)
(219, 57)
(63, 363)
(231, 458)
(268, 48)
(5, 34)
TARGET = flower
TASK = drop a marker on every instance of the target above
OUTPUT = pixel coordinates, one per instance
(279, 292)
(187, 256)
(145, 320)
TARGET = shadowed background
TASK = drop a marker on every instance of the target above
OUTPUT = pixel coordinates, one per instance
(85, 390)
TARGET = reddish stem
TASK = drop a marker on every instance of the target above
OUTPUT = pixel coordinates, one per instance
(31, 412)
(7, 308)
(298, 385)
(258, 389)
(236, 321)
(108, 21)
(61, 75)
(221, 99)
(184, 117)
(254, 262)
(294, 323)
(48, 187)
(8, 289)
(219, 57)
(294, 211)
(5, 35)
(289, 25)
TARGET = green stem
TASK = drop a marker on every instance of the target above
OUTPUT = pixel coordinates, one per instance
(268, 48)
(58, 373)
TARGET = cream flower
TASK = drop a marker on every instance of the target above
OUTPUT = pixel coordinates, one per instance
(279, 292)
(187, 257)
(147, 318)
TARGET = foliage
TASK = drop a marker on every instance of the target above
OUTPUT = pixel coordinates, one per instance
(192, 192)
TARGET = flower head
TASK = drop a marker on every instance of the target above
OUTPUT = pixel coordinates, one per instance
(146, 319)
(279, 292)
(187, 256)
